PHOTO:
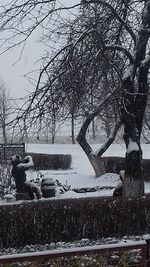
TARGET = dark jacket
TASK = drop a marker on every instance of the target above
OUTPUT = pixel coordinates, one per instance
(19, 177)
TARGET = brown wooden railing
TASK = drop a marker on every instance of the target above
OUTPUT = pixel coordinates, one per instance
(55, 257)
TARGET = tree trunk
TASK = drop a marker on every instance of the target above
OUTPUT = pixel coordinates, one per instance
(95, 157)
(133, 185)
(93, 130)
(97, 164)
(132, 114)
(133, 108)
(72, 129)
(4, 133)
(53, 132)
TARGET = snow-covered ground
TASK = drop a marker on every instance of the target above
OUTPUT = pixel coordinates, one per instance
(81, 174)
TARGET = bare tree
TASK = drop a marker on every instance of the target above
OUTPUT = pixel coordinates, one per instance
(106, 37)
(4, 112)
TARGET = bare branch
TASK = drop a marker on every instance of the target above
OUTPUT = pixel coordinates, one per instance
(104, 3)
(81, 138)
(109, 141)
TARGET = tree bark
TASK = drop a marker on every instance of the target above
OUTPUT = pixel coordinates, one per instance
(95, 157)
(133, 108)
(72, 128)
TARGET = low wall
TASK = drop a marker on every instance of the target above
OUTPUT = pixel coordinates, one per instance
(115, 164)
(51, 161)
(55, 220)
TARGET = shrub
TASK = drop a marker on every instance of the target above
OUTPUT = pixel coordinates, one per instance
(51, 161)
(54, 220)
(115, 164)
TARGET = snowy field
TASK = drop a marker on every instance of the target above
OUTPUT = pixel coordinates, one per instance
(81, 174)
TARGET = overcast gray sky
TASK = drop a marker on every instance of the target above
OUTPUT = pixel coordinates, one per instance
(13, 75)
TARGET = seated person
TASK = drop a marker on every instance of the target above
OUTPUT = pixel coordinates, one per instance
(18, 172)
(32, 189)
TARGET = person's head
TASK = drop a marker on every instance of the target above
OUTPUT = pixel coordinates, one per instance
(15, 160)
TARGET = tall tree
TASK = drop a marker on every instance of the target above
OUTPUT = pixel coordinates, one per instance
(4, 112)
(133, 107)
(106, 37)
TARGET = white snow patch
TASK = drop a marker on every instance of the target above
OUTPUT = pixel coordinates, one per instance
(95, 153)
(132, 146)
